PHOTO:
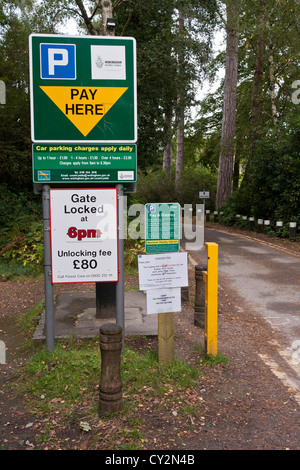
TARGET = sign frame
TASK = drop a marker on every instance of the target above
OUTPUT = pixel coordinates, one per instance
(96, 164)
(160, 244)
(87, 244)
(120, 124)
(163, 300)
(204, 195)
(161, 271)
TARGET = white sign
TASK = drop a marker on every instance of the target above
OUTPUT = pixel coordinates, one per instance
(108, 62)
(204, 195)
(84, 235)
(163, 270)
(164, 300)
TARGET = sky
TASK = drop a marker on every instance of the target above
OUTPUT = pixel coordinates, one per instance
(218, 45)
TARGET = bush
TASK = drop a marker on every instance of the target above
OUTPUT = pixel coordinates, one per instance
(27, 248)
(155, 186)
(240, 202)
(273, 190)
(21, 232)
(159, 186)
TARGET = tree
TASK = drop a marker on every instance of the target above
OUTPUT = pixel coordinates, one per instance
(180, 101)
(167, 157)
(229, 104)
(192, 46)
(15, 159)
(273, 56)
(257, 81)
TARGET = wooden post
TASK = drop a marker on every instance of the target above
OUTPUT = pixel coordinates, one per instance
(166, 336)
(110, 387)
(293, 230)
(251, 223)
(199, 313)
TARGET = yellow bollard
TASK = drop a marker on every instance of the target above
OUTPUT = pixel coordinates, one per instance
(210, 278)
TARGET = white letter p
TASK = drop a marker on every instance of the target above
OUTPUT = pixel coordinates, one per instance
(52, 62)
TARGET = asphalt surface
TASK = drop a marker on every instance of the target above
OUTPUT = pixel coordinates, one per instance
(268, 279)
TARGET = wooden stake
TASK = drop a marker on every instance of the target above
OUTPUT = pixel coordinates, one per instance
(166, 336)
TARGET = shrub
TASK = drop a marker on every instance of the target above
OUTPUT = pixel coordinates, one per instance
(159, 186)
(21, 233)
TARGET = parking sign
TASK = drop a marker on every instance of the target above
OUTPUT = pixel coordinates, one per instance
(82, 89)
(58, 61)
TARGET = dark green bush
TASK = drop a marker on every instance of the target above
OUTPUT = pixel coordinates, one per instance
(273, 189)
(240, 203)
(159, 186)
(21, 229)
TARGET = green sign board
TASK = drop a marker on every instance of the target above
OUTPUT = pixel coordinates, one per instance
(162, 228)
(92, 163)
(82, 89)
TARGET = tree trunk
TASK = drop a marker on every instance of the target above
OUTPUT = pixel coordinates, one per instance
(256, 91)
(180, 139)
(180, 112)
(167, 159)
(272, 75)
(236, 171)
(229, 105)
(107, 12)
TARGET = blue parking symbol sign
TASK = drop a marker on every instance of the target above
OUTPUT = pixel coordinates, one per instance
(58, 61)
(151, 208)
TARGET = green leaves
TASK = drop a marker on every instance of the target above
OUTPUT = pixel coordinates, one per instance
(21, 230)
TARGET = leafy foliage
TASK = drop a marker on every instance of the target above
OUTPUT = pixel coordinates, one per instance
(274, 190)
(21, 234)
(159, 186)
(276, 178)
(271, 190)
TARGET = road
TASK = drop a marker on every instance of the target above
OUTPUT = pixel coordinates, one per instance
(268, 281)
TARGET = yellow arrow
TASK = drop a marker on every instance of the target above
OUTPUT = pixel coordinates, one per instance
(84, 106)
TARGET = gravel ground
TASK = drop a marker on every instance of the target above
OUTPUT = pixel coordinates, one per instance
(238, 406)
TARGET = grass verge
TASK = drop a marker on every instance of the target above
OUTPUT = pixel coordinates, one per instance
(61, 390)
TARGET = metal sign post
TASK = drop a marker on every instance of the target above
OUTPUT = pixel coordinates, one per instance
(49, 297)
(120, 317)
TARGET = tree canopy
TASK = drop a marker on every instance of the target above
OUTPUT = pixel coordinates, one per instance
(174, 56)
